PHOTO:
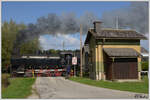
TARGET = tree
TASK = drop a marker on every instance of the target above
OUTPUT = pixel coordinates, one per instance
(30, 47)
(9, 32)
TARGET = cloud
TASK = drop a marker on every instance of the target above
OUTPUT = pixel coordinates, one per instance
(71, 41)
(145, 43)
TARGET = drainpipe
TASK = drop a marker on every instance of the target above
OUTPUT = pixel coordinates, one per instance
(102, 58)
(97, 64)
(112, 68)
(98, 59)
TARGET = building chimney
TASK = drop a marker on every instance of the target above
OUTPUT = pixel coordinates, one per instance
(97, 26)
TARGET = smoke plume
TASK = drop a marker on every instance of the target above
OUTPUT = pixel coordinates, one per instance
(134, 16)
(67, 23)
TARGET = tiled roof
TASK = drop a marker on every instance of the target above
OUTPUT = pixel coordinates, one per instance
(115, 34)
(118, 33)
(121, 52)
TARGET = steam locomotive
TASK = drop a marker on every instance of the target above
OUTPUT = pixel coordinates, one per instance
(43, 65)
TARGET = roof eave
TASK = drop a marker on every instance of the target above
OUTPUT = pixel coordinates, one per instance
(99, 37)
(123, 56)
(88, 37)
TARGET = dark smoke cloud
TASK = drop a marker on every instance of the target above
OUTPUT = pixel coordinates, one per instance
(67, 23)
(31, 32)
(133, 17)
(70, 24)
(50, 24)
(87, 21)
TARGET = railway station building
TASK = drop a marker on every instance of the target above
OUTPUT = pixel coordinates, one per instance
(114, 54)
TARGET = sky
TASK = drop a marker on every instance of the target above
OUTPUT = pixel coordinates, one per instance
(28, 12)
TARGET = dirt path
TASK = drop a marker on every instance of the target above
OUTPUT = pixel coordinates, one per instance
(59, 88)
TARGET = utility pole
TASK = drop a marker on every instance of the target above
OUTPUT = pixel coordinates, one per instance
(63, 45)
(117, 25)
(80, 50)
(74, 67)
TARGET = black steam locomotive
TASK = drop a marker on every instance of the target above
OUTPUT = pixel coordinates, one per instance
(42, 65)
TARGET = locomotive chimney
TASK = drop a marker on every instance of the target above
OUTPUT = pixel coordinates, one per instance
(97, 26)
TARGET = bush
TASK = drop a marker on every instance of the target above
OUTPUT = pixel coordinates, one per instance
(145, 66)
(5, 81)
(86, 74)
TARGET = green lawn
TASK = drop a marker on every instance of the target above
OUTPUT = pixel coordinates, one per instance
(139, 87)
(5, 81)
(18, 88)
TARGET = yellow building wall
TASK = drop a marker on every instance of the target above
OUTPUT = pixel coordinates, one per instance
(99, 58)
(99, 62)
(135, 47)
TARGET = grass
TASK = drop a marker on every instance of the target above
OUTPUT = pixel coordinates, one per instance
(5, 81)
(18, 88)
(139, 87)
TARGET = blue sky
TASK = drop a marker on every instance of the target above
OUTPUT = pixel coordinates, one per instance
(28, 12)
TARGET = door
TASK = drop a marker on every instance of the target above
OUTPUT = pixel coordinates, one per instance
(125, 68)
